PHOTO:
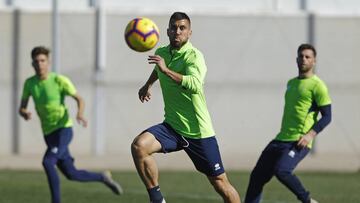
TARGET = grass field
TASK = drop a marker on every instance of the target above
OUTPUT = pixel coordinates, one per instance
(177, 187)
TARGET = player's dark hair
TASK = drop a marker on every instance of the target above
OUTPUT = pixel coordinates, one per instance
(302, 47)
(179, 16)
(39, 50)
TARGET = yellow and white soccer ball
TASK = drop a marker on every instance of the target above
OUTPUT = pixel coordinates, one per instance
(141, 34)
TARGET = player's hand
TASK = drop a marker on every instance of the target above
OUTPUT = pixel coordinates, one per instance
(306, 139)
(81, 120)
(144, 93)
(25, 114)
(159, 61)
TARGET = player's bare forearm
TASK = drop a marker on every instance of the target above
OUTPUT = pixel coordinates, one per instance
(159, 61)
(23, 109)
(81, 108)
(80, 104)
(177, 77)
(144, 92)
(152, 79)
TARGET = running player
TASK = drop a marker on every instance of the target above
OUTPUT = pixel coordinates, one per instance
(48, 91)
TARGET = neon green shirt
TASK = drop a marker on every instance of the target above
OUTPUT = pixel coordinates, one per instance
(302, 98)
(49, 96)
(185, 105)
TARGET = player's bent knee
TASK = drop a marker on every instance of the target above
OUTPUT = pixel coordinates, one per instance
(49, 162)
(138, 146)
(145, 144)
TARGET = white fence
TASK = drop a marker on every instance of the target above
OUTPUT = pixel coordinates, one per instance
(250, 58)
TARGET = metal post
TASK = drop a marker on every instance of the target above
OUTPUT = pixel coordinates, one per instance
(55, 36)
(311, 28)
(275, 5)
(15, 83)
(303, 5)
(92, 3)
(9, 2)
(311, 40)
(100, 63)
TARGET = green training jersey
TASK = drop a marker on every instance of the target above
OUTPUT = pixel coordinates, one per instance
(302, 99)
(185, 105)
(49, 96)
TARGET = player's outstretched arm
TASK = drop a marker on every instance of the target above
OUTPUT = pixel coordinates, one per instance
(144, 92)
(81, 107)
(23, 109)
(159, 61)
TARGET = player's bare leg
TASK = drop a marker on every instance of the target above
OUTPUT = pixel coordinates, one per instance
(142, 149)
(224, 188)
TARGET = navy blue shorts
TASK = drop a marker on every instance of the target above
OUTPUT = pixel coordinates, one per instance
(204, 153)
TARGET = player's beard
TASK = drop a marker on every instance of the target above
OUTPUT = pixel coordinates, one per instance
(304, 69)
(177, 43)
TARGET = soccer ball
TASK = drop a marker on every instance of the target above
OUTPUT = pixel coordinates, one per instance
(141, 34)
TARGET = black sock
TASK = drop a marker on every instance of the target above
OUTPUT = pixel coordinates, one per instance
(155, 194)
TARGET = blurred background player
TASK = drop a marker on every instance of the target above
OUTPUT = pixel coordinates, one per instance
(181, 70)
(48, 91)
(305, 96)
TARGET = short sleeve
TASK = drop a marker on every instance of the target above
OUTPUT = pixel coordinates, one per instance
(66, 85)
(321, 94)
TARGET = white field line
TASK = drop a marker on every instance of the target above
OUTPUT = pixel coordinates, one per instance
(197, 196)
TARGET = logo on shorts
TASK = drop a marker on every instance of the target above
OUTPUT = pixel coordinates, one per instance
(54, 150)
(291, 154)
(217, 166)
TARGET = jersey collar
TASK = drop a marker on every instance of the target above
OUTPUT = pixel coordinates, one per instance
(183, 49)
